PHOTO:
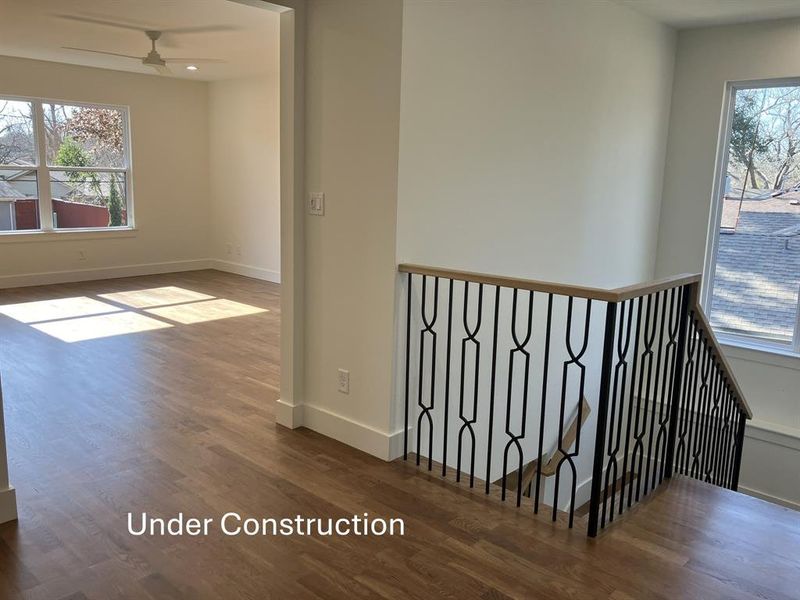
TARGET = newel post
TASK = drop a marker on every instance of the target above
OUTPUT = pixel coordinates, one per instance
(688, 298)
(737, 464)
(602, 419)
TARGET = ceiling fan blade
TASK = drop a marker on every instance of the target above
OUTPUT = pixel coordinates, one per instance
(102, 52)
(193, 60)
(133, 27)
(202, 29)
(95, 21)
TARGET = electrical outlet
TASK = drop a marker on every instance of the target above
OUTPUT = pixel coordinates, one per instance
(344, 381)
(316, 204)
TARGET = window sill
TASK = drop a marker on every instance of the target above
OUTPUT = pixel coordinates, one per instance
(66, 234)
(754, 351)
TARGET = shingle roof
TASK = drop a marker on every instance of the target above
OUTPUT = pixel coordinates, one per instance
(8, 192)
(758, 268)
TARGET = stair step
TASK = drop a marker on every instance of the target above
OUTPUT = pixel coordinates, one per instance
(629, 479)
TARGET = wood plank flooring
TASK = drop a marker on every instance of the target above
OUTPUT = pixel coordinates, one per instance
(180, 419)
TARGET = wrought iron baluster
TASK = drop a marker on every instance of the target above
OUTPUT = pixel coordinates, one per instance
(708, 430)
(682, 444)
(447, 377)
(737, 461)
(727, 448)
(676, 380)
(519, 348)
(718, 425)
(492, 389)
(699, 439)
(668, 407)
(631, 394)
(566, 455)
(647, 360)
(467, 423)
(724, 438)
(731, 439)
(427, 328)
(602, 417)
(408, 364)
(696, 397)
(543, 414)
(617, 409)
(651, 463)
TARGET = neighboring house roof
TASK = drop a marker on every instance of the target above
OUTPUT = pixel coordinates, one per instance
(22, 184)
(758, 267)
(7, 191)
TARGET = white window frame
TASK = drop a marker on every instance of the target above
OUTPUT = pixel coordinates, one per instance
(42, 170)
(715, 218)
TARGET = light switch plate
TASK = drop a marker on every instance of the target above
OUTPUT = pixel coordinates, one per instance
(316, 204)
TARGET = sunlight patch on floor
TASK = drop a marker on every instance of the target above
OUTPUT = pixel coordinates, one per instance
(209, 310)
(152, 297)
(60, 308)
(81, 318)
(100, 326)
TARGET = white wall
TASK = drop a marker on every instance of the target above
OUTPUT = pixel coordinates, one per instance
(173, 125)
(8, 495)
(245, 164)
(527, 153)
(169, 121)
(352, 126)
(478, 136)
(705, 60)
(532, 138)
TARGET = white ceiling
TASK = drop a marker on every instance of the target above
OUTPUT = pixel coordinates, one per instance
(700, 13)
(248, 41)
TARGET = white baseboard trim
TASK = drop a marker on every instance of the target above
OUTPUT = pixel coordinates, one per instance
(769, 498)
(769, 463)
(773, 433)
(52, 277)
(288, 414)
(383, 445)
(8, 505)
(246, 270)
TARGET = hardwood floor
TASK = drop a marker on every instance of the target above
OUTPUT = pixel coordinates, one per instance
(180, 419)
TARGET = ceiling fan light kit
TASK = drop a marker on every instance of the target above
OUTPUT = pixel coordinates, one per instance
(153, 58)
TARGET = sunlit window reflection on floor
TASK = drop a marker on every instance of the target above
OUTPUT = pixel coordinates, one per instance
(159, 296)
(208, 310)
(60, 308)
(81, 318)
(99, 326)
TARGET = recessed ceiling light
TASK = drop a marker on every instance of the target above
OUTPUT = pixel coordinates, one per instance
(191, 68)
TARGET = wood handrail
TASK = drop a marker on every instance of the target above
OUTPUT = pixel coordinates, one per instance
(620, 294)
(578, 291)
(716, 347)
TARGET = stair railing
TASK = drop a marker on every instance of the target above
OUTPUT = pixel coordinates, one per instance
(576, 400)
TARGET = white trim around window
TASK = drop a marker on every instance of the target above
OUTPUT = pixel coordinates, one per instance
(748, 347)
(48, 230)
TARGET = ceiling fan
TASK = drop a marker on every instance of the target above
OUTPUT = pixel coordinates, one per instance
(152, 58)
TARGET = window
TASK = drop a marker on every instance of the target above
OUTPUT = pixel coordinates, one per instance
(63, 166)
(754, 263)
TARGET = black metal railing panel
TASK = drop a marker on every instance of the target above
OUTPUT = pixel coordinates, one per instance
(645, 343)
(497, 381)
(561, 402)
(708, 436)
